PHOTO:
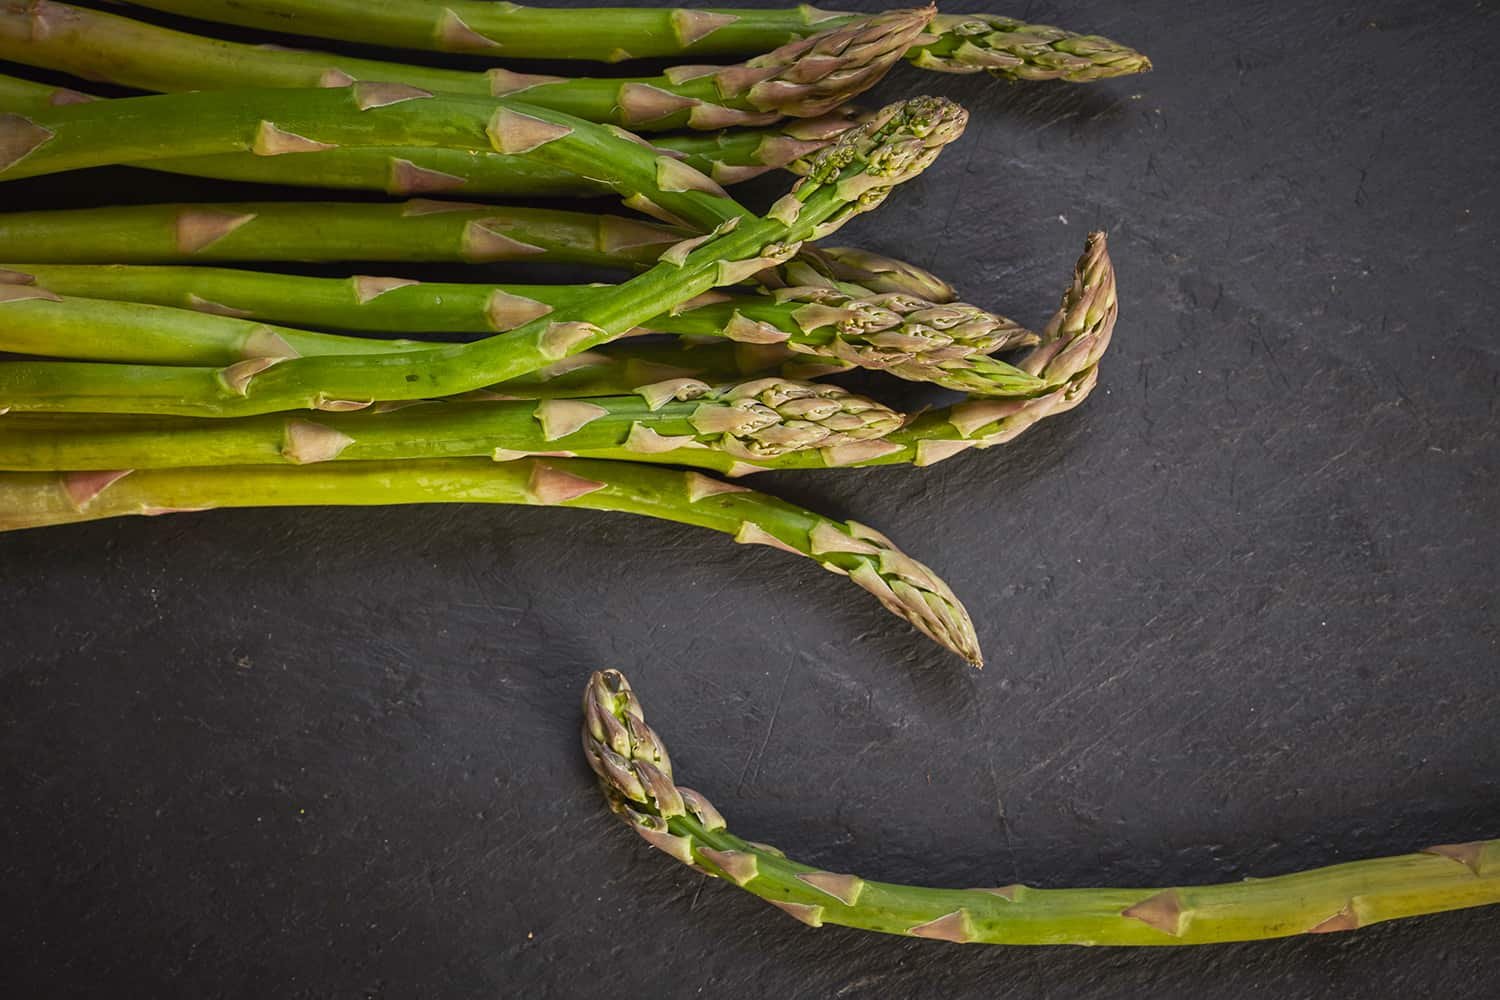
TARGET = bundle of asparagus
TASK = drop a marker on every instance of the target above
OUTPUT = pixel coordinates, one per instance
(148, 382)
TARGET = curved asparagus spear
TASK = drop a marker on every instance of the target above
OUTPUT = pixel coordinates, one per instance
(635, 774)
(853, 175)
(904, 586)
(964, 43)
(728, 157)
(911, 338)
(748, 420)
(803, 78)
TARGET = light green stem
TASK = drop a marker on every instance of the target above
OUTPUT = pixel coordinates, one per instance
(806, 78)
(635, 773)
(917, 340)
(673, 423)
(417, 230)
(906, 587)
(964, 43)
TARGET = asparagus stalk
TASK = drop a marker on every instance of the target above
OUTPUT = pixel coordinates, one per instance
(420, 230)
(805, 78)
(635, 774)
(417, 230)
(308, 123)
(728, 157)
(853, 175)
(963, 43)
(757, 419)
(913, 339)
(903, 585)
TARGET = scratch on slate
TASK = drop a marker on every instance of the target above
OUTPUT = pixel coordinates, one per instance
(765, 741)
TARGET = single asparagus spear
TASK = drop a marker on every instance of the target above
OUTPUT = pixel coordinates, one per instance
(758, 419)
(853, 175)
(903, 585)
(914, 339)
(308, 123)
(635, 774)
(421, 229)
(729, 157)
(963, 43)
(416, 230)
(805, 78)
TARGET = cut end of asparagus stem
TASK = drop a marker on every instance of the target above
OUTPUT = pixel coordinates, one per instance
(813, 76)
(1015, 50)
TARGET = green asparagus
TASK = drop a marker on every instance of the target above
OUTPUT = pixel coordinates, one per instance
(805, 78)
(307, 123)
(904, 586)
(635, 774)
(1066, 363)
(420, 230)
(963, 43)
(851, 176)
(417, 230)
(751, 420)
(728, 157)
(911, 338)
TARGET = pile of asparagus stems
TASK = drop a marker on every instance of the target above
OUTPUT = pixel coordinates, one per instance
(145, 377)
(144, 381)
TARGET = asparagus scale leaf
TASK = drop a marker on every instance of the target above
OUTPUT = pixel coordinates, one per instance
(851, 176)
(962, 43)
(635, 774)
(806, 77)
(902, 585)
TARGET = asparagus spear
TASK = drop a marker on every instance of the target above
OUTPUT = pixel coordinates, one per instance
(728, 157)
(420, 230)
(635, 774)
(903, 585)
(853, 175)
(307, 123)
(417, 230)
(757, 419)
(964, 43)
(805, 78)
(914, 339)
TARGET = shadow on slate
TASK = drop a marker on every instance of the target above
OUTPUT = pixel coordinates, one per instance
(1239, 607)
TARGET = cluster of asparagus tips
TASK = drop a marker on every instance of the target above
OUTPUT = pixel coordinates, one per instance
(636, 776)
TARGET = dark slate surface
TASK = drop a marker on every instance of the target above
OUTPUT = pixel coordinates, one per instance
(1240, 608)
